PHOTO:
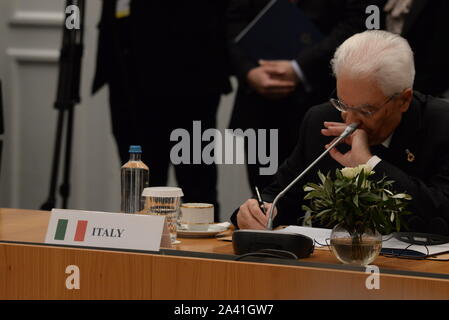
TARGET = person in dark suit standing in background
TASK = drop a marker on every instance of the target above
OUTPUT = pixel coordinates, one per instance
(276, 94)
(402, 134)
(166, 66)
(424, 23)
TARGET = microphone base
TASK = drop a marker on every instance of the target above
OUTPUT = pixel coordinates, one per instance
(248, 241)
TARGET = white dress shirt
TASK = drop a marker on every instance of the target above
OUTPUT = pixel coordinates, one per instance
(301, 75)
(374, 160)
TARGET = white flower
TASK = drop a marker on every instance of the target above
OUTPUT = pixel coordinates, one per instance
(348, 172)
(352, 172)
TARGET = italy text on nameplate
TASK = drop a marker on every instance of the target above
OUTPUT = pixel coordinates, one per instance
(107, 230)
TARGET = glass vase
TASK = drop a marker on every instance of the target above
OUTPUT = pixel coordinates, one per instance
(355, 248)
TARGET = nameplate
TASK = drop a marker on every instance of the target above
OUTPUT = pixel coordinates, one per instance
(107, 230)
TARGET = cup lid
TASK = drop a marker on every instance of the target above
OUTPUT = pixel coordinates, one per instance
(164, 192)
(197, 205)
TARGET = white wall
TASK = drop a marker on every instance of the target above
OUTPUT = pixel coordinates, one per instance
(30, 36)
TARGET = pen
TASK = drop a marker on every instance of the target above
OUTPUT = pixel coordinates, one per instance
(261, 204)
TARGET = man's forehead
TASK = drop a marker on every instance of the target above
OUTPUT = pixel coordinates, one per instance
(358, 91)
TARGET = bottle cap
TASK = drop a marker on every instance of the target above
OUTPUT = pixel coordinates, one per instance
(135, 149)
(163, 192)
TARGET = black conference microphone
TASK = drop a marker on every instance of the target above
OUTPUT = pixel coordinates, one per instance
(248, 241)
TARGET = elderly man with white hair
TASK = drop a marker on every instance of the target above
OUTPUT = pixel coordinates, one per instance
(402, 134)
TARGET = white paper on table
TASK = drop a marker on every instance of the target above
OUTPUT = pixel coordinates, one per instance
(393, 243)
(320, 236)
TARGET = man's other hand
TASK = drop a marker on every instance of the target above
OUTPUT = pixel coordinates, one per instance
(280, 69)
(360, 151)
(267, 86)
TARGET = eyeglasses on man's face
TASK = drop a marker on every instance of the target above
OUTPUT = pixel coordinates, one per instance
(365, 110)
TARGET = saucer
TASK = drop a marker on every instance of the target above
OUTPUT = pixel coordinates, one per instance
(212, 230)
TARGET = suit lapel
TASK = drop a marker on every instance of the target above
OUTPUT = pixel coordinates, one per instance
(415, 11)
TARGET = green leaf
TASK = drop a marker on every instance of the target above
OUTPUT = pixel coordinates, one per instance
(360, 179)
(324, 213)
(308, 189)
(315, 186)
(338, 175)
(322, 177)
(328, 186)
(356, 200)
(398, 224)
(306, 208)
(399, 196)
(314, 194)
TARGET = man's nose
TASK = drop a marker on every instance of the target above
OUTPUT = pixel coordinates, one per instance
(351, 117)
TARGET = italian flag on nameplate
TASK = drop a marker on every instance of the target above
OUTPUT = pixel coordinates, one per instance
(61, 230)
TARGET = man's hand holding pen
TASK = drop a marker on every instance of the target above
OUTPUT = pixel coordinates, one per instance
(251, 216)
(261, 203)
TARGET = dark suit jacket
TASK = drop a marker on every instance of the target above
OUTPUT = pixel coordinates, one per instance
(336, 19)
(423, 131)
(426, 28)
(176, 46)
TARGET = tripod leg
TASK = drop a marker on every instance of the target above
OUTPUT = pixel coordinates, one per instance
(51, 200)
(65, 187)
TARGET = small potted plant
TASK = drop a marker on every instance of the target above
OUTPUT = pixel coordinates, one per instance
(359, 208)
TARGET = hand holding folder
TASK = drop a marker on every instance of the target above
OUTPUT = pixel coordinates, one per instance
(280, 70)
(268, 86)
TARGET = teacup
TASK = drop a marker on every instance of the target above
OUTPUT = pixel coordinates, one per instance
(197, 216)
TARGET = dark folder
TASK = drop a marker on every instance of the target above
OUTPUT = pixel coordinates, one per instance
(279, 32)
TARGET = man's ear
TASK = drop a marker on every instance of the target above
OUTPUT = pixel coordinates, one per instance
(406, 99)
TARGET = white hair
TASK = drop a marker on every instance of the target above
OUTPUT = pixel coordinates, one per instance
(379, 55)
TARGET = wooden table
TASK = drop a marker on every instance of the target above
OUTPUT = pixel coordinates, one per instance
(194, 269)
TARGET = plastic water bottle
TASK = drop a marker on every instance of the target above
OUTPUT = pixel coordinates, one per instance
(134, 178)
